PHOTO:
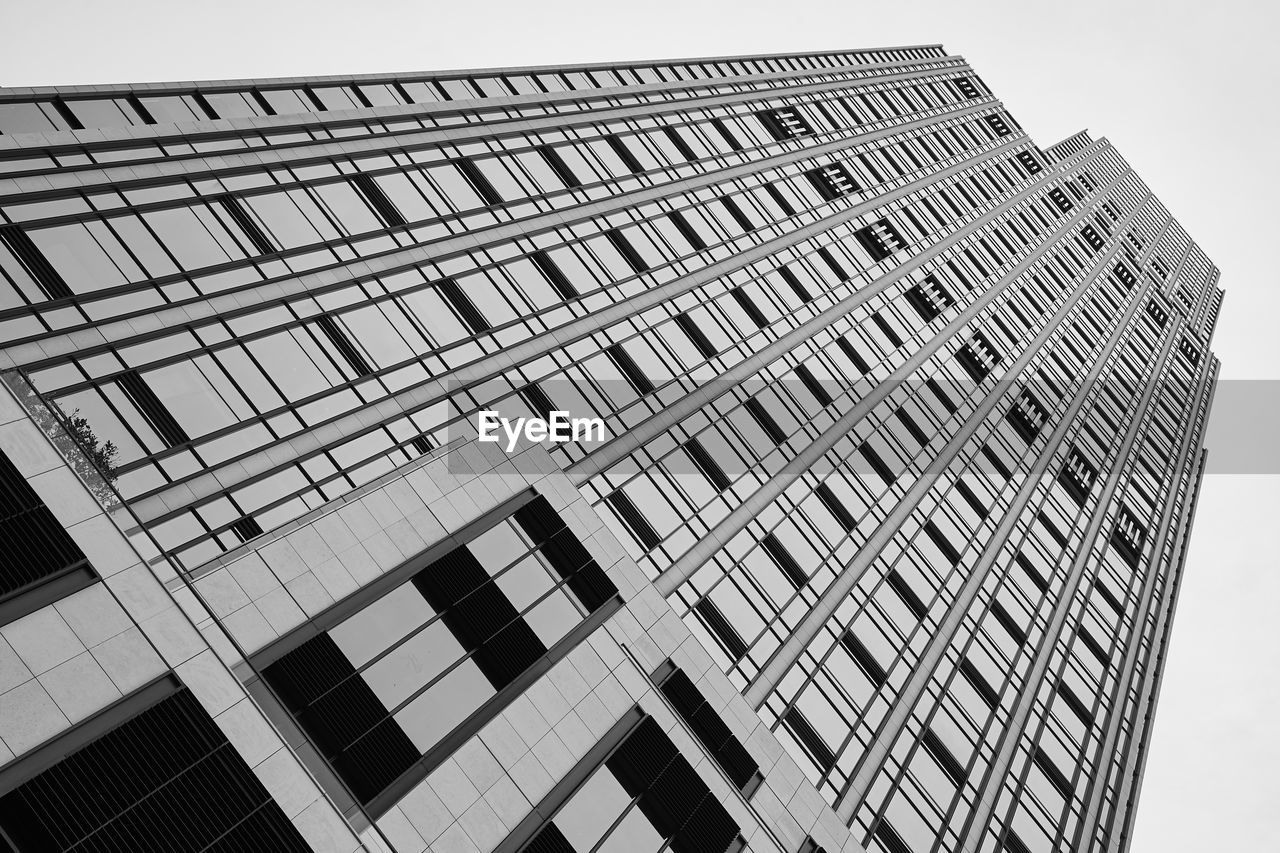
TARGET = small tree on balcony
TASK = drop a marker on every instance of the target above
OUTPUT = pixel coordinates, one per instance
(101, 455)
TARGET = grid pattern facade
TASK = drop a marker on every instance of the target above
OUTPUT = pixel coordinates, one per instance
(902, 422)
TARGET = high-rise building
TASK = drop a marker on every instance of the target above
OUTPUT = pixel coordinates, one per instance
(862, 440)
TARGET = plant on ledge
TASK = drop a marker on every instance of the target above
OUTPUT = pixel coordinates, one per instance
(101, 455)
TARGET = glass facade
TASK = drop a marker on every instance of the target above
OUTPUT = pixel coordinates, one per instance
(902, 413)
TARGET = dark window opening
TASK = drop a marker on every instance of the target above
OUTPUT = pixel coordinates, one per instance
(865, 660)
(1078, 476)
(630, 369)
(1029, 162)
(785, 123)
(1189, 351)
(1093, 238)
(687, 231)
(553, 274)
(369, 732)
(151, 408)
(708, 726)
(736, 212)
(784, 560)
(832, 181)
(978, 357)
(261, 243)
(50, 282)
(38, 549)
(367, 187)
(814, 387)
(627, 250)
(1129, 536)
(944, 756)
(1060, 200)
(721, 628)
(338, 338)
(634, 520)
(1027, 415)
(167, 778)
(479, 182)
(881, 239)
(707, 464)
(1125, 275)
(559, 166)
(466, 310)
(624, 154)
(930, 298)
(966, 88)
(997, 124)
(809, 739)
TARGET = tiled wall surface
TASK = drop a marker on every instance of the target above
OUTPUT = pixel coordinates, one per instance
(69, 660)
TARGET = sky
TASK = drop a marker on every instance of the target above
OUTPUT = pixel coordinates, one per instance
(1186, 91)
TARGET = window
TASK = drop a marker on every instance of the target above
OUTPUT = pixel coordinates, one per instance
(687, 230)
(257, 238)
(863, 657)
(163, 778)
(628, 367)
(836, 507)
(388, 691)
(51, 284)
(343, 345)
(1027, 415)
(1055, 776)
(1161, 268)
(1077, 476)
(628, 251)
(1092, 237)
(832, 181)
(479, 182)
(559, 166)
(639, 526)
(997, 124)
(149, 405)
(1157, 313)
(1125, 275)
(708, 727)
(377, 199)
(813, 386)
(785, 123)
(1029, 162)
(737, 213)
(881, 239)
(1129, 536)
(553, 274)
(809, 739)
(624, 154)
(1189, 351)
(889, 838)
(784, 560)
(929, 298)
(42, 563)
(978, 357)
(722, 629)
(636, 794)
(944, 756)
(700, 340)
(1060, 200)
(466, 310)
(967, 89)
(707, 464)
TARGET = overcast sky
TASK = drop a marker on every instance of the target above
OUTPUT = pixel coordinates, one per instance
(1185, 91)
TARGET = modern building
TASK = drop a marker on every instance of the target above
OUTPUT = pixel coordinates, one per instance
(861, 528)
